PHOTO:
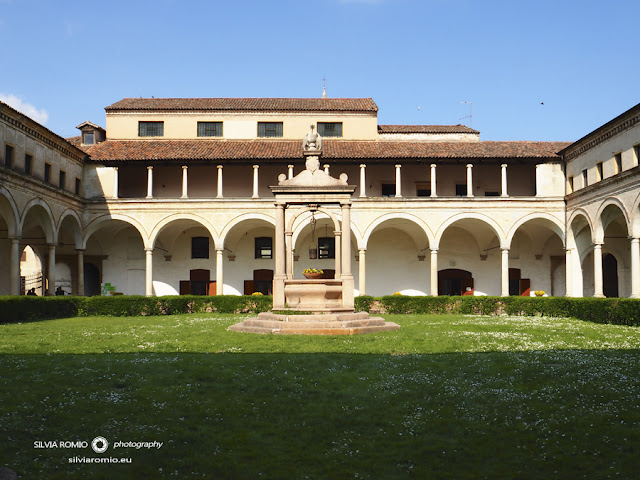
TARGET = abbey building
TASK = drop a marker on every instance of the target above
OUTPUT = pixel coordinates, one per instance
(173, 197)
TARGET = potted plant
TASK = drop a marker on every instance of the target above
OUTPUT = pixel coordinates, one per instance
(312, 273)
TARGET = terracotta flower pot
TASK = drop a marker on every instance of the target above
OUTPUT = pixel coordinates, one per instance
(313, 275)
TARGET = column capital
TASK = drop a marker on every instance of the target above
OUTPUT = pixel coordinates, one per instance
(289, 233)
(504, 249)
(148, 249)
(255, 167)
(184, 167)
(289, 166)
(149, 167)
(219, 250)
(504, 165)
(398, 165)
(433, 165)
(363, 165)
(434, 250)
(469, 165)
(362, 250)
(337, 233)
(219, 167)
(81, 250)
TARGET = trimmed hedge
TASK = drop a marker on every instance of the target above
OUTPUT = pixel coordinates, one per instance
(620, 311)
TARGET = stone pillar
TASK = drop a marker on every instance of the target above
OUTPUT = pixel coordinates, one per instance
(149, 182)
(279, 274)
(338, 244)
(469, 180)
(504, 180)
(219, 194)
(288, 239)
(398, 181)
(115, 182)
(568, 272)
(346, 275)
(362, 271)
(219, 271)
(80, 271)
(363, 181)
(434, 272)
(184, 181)
(255, 182)
(290, 174)
(635, 267)
(326, 168)
(433, 180)
(51, 270)
(505, 272)
(597, 271)
(148, 288)
(14, 267)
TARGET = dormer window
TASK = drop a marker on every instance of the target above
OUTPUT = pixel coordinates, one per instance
(91, 133)
(88, 138)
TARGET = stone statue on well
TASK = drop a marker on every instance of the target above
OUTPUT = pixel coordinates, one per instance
(312, 140)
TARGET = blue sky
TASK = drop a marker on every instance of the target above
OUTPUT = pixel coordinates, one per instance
(64, 61)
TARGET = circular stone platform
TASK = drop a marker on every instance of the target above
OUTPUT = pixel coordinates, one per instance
(314, 324)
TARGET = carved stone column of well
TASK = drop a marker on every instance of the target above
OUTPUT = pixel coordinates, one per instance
(14, 267)
(597, 271)
(279, 274)
(148, 279)
(51, 270)
(469, 180)
(80, 272)
(255, 182)
(115, 182)
(505, 272)
(290, 173)
(149, 182)
(363, 181)
(568, 272)
(398, 181)
(434, 272)
(433, 180)
(219, 194)
(504, 180)
(346, 275)
(326, 168)
(288, 239)
(362, 271)
(219, 271)
(635, 267)
(338, 249)
(185, 181)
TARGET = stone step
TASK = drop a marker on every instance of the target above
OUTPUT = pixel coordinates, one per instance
(307, 325)
(345, 316)
(337, 331)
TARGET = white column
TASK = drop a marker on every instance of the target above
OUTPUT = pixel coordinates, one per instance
(219, 272)
(363, 181)
(568, 272)
(434, 271)
(504, 180)
(255, 181)
(635, 268)
(290, 167)
(346, 276)
(148, 279)
(433, 180)
(398, 181)
(149, 182)
(326, 168)
(505, 272)
(14, 267)
(338, 260)
(80, 272)
(184, 181)
(469, 180)
(289, 254)
(219, 195)
(279, 274)
(115, 182)
(597, 271)
(362, 271)
(51, 270)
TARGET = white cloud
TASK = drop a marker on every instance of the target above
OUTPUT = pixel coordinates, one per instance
(40, 116)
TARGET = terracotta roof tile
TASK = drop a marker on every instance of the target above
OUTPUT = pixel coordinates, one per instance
(246, 104)
(426, 129)
(216, 150)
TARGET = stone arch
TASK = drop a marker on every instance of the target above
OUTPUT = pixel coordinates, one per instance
(548, 220)
(44, 215)
(471, 216)
(9, 211)
(601, 222)
(98, 222)
(396, 216)
(220, 241)
(73, 219)
(635, 218)
(176, 217)
(298, 224)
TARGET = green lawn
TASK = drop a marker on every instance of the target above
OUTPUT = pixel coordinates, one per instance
(457, 397)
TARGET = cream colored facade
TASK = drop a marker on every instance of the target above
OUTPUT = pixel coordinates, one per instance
(435, 210)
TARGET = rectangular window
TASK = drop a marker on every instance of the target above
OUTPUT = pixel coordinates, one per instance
(264, 247)
(150, 129)
(8, 156)
(326, 247)
(491, 194)
(28, 161)
(209, 129)
(199, 247)
(423, 190)
(599, 172)
(78, 185)
(330, 129)
(269, 129)
(585, 179)
(63, 178)
(87, 138)
(570, 186)
(618, 160)
(47, 172)
(388, 189)
(461, 190)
